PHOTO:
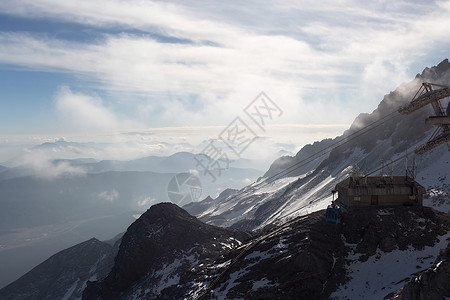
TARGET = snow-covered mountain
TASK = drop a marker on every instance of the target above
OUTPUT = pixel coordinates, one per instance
(302, 184)
(168, 254)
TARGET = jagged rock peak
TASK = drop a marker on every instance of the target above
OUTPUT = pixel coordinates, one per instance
(445, 64)
(165, 212)
(442, 67)
(165, 235)
(93, 240)
(227, 192)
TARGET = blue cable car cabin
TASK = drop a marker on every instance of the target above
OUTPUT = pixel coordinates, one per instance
(333, 214)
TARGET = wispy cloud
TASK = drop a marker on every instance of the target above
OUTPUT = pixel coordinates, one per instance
(40, 165)
(85, 112)
(146, 201)
(109, 196)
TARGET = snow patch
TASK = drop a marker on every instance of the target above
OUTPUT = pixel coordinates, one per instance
(275, 185)
(156, 232)
(385, 272)
(168, 274)
(70, 291)
(262, 283)
(385, 212)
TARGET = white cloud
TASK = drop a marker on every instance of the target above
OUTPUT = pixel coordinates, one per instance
(110, 196)
(394, 72)
(83, 112)
(39, 165)
(146, 201)
(247, 181)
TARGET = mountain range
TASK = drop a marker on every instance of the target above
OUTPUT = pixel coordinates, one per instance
(269, 239)
(305, 258)
(47, 206)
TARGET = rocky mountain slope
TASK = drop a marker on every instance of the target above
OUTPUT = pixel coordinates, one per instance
(371, 253)
(168, 254)
(41, 215)
(429, 284)
(24, 248)
(156, 249)
(433, 283)
(64, 275)
(302, 184)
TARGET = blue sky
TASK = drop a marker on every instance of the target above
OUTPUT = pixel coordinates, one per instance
(89, 70)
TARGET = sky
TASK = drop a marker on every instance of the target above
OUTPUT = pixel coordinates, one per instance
(155, 77)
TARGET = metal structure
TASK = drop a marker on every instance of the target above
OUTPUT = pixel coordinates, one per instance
(427, 95)
(377, 191)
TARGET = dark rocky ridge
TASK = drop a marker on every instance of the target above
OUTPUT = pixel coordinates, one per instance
(196, 207)
(65, 273)
(168, 254)
(307, 259)
(162, 235)
(309, 150)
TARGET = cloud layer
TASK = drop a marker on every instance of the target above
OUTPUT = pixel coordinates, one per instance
(185, 63)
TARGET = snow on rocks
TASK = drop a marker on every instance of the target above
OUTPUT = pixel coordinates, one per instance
(385, 272)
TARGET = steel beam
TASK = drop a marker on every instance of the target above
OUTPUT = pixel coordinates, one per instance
(442, 120)
(425, 99)
(440, 139)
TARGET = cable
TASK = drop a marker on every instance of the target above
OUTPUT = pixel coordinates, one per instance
(294, 167)
(434, 134)
(318, 154)
(324, 197)
(300, 208)
(326, 150)
(331, 147)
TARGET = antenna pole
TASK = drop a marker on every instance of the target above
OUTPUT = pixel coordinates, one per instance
(392, 170)
(406, 167)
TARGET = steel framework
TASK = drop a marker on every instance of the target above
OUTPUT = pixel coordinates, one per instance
(424, 96)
